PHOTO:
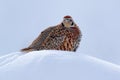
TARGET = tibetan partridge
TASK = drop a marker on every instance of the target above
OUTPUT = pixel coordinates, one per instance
(65, 36)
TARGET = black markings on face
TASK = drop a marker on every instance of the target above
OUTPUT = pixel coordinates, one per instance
(72, 24)
(62, 24)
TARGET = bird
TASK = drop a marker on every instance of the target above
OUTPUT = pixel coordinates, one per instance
(65, 36)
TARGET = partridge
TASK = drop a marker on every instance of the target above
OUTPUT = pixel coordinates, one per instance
(65, 36)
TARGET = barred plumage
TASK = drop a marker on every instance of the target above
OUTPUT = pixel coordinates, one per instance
(65, 36)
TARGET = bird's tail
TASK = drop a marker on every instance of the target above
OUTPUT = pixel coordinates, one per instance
(27, 50)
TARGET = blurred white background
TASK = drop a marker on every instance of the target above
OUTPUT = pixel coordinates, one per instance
(21, 21)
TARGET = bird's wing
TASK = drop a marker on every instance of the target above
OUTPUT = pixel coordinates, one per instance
(39, 40)
(52, 42)
(55, 39)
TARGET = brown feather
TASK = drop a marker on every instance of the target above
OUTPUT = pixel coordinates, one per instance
(57, 38)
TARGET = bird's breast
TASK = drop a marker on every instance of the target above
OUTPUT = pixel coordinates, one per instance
(75, 31)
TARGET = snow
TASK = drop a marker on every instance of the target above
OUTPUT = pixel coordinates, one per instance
(100, 26)
(99, 21)
(56, 65)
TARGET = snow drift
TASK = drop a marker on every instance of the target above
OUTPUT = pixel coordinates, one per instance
(56, 65)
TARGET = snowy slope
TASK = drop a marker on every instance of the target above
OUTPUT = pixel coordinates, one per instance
(56, 65)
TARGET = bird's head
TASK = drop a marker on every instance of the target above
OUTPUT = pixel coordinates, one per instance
(68, 21)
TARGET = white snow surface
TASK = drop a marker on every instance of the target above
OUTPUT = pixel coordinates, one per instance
(56, 65)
